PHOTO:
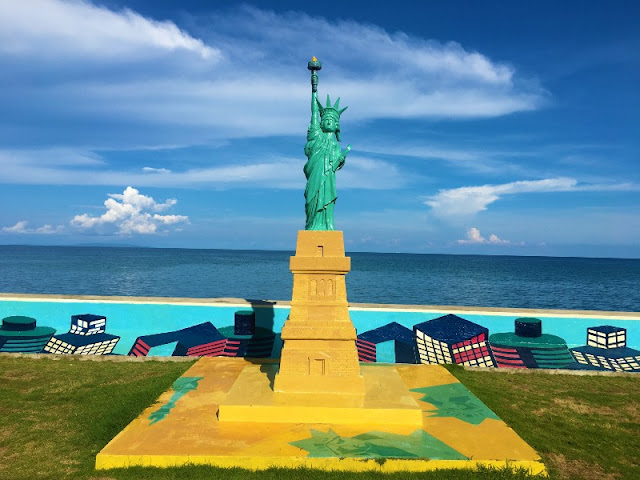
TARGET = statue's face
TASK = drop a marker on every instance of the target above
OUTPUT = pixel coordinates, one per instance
(329, 124)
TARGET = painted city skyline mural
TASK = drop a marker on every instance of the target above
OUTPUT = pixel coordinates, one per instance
(384, 336)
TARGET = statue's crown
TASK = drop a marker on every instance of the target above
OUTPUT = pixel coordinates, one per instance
(329, 109)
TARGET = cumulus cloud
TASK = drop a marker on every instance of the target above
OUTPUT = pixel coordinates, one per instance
(130, 212)
(475, 237)
(21, 228)
(470, 200)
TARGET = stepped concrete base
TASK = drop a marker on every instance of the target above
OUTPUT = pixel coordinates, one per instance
(386, 401)
(182, 428)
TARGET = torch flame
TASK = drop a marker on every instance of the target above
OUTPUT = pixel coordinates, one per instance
(314, 59)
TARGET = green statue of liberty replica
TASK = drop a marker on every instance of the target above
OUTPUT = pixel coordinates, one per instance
(324, 157)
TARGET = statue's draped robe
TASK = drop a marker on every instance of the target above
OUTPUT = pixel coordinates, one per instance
(323, 152)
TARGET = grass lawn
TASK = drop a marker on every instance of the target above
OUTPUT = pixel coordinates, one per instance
(57, 414)
(584, 427)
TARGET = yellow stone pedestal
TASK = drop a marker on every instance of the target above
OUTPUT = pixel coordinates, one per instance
(319, 379)
(319, 354)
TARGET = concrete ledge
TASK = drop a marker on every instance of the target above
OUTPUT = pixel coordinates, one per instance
(256, 303)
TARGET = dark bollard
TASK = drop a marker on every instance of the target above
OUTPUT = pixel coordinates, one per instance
(528, 327)
(244, 322)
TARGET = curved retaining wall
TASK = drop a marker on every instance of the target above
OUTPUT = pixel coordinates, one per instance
(472, 336)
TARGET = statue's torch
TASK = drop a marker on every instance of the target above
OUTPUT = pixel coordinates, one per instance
(314, 65)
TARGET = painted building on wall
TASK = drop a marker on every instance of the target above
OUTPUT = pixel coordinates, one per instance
(412, 334)
(452, 339)
(528, 347)
(202, 340)
(607, 349)
(205, 340)
(367, 351)
(85, 337)
(20, 334)
(396, 336)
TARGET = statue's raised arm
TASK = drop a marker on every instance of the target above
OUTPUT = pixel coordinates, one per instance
(314, 65)
(324, 157)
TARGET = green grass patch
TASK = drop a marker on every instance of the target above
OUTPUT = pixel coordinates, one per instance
(57, 414)
(584, 427)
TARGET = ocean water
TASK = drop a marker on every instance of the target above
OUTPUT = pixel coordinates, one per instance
(462, 280)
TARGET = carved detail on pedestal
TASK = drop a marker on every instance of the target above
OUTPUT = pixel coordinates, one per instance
(321, 287)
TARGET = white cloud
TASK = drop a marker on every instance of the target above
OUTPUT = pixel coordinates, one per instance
(169, 219)
(50, 157)
(370, 174)
(131, 214)
(494, 239)
(570, 224)
(475, 237)
(155, 170)
(77, 29)
(363, 44)
(471, 200)
(17, 228)
(242, 75)
(34, 168)
(454, 155)
(470, 158)
(21, 228)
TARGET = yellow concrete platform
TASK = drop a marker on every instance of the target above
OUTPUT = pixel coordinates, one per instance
(387, 401)
(182, 427)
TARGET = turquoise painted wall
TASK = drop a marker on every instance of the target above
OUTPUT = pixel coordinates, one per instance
(130, 321)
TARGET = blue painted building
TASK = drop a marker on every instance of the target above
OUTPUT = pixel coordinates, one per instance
(452, 339)
(86, 336)
(607, 349)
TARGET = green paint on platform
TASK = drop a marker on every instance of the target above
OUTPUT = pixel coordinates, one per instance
(454, 400)
(378, 445)
(181, 387)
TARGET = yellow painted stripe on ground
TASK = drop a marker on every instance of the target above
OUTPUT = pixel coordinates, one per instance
(105, 462)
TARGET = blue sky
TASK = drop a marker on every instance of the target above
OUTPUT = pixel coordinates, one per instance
(494, 128)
